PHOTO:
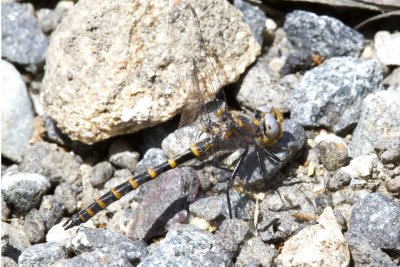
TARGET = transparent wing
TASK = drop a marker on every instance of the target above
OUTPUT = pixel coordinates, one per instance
(204, 95)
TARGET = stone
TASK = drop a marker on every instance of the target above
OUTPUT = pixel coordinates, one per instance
(179, 141)
(390, 156)
(339, 180)
(393, 185)
(186, 245)
(173, 189)
(231, 233)
(331, 94)
(386, 47)
(68, 194)
(48, 19)
(323, 35)
(374, 218)
(361, 167)
(120, 221)
(17, 241)
(318, 245)
(121, 155)
(51, 161)
(89, 240)
(104, 256)
(23, 191)
(101, 173)
(16, 113)
(5, 211)
(8, 262)
(142, 63)
(22, 41)
(208, 208)
(34, 227)
(293, 139)
(393, 79)
(333, 155)
(365, 253)
(255, 253)
(59, 235)
(253, 16)
(379, 126)
(51, 209)
(260, 89)
(42, 255)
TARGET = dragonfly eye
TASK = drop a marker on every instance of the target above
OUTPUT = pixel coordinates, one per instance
(271, 126)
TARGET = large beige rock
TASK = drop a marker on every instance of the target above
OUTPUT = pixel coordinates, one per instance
(319, 245)
(115, 67)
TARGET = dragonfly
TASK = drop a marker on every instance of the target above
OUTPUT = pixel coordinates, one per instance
(224, 128)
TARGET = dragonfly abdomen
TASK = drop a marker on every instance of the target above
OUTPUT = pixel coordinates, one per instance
(195, 151)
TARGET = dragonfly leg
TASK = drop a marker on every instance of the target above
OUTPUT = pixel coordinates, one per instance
(260, 163)
(232, 178)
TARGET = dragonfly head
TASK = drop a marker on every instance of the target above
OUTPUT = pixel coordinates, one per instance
(269, 125)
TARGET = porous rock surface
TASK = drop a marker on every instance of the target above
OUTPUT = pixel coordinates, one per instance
(109, 69)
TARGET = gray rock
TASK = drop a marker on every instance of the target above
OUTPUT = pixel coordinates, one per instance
(109, 256)
(34, 227)
(144, 93)
(186, 245)
(153, 157)
(256, 253)
(260, 89)
(375, 218)
(180, 140)
(393, 79)
(253, 16)
(276, 55)
(48, 19)
(90, 240)
(231, 233)
(208, 208)
(42, 255)
(322, 201)
(379, 124)
(101, 173)
(51, 161)
(17, 241)
(52, 210)
(121, 155)
(5, 242)
(386, 47)
(241, 204)
(69, 195)
(8, 262)
(120, 221)
(321, 34)
(331, 94)
(5, 211)
(325, 240)
(173, 189)
(390, 156)
(333, 155)
(21, 38)
(277, 226)
(361, 167)
(365, 253)
(294, 138)
(393, 185)
(339, 180)
(16, 112)
(23, 191)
